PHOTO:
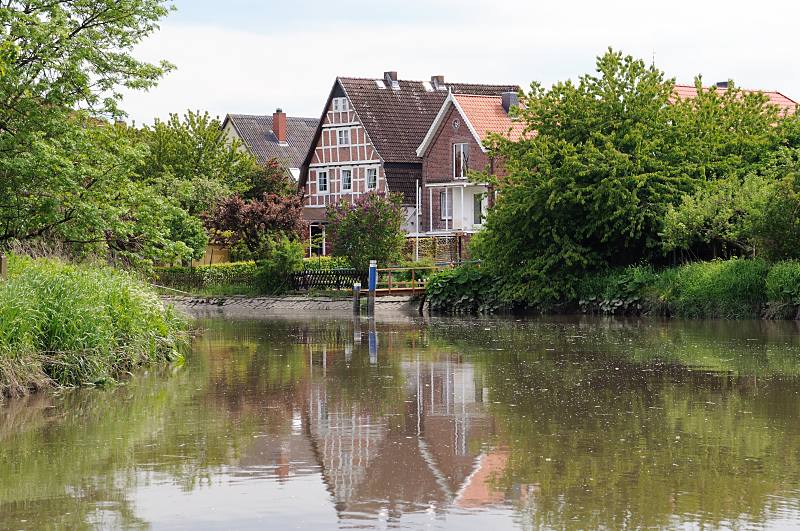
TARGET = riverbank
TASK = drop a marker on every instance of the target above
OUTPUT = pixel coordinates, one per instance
(70, 325)
(718, 289)
(246, 307)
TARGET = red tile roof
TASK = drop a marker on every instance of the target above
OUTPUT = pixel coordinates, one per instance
(486, 115)
(785, 103)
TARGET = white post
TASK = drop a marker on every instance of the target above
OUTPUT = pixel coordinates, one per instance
(463, 213)
(430, 208)
(419, 205)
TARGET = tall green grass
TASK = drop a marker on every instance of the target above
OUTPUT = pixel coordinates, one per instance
(69, 325)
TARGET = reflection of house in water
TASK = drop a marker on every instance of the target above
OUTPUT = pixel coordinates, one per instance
(416, 457)
(389, 435)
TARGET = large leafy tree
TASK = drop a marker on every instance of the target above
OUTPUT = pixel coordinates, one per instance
(603, 160)
(193, 160)
(66, 172)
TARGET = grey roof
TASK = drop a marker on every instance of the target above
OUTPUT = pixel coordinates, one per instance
(256, 133)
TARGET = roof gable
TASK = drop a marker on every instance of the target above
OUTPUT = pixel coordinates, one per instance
(481, 114)
(397, 119)
(257, 135)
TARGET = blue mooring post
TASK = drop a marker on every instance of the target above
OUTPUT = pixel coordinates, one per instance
(373, 285)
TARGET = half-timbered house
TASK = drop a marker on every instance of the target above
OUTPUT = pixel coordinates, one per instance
(367, 140)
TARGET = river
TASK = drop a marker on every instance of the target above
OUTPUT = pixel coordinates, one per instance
(327, 423)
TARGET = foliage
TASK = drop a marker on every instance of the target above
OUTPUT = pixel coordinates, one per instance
(783, 290)
(73, 324)
(192, 160)
(617, 292)
(66, 173)
(610, 155)
(272, 178)
(368, 228)
(325, 263)
(727, 289)
(776, 226)
(465, 289)
(255, 223)
(234, 277)
(285, 257)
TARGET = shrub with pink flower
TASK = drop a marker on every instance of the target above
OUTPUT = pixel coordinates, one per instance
(368, 228)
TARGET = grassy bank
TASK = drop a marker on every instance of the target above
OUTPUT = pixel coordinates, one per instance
(68, 325)
(724, 289)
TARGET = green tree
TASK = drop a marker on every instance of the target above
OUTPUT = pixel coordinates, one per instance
(193, 160)
(602, 162)
(65, 172)
(368, 228)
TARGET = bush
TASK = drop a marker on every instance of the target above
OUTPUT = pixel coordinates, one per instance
(465, 289)
(783, 290)
(285, 258)
(618, 292)
(235, 276)
(68, 325)
(369, 228)
(731, 289)
(326, 263)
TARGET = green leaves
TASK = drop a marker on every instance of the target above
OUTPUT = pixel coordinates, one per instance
(607, 160)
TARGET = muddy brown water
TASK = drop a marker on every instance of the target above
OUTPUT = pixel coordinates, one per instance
(327, 423)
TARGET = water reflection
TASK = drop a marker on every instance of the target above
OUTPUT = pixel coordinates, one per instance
(315, 423)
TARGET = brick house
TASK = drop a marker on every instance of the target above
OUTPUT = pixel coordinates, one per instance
(453, 146)
(367, 139)
(280, 137)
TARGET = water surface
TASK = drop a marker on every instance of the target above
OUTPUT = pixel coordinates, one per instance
(324, 423)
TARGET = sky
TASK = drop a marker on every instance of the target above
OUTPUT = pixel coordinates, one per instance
(249, 56)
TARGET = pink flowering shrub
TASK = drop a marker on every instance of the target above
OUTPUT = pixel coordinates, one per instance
(368, 228)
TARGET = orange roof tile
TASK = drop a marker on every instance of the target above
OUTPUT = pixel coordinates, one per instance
(775, 98)
(486, 114)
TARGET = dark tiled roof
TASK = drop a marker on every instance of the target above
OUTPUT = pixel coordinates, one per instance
(398, 119)
(256, 133)
(402, 179)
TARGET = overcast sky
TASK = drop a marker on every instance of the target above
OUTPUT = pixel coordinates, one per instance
(251, 56)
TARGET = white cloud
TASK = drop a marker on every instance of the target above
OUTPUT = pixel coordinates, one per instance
(224, 69)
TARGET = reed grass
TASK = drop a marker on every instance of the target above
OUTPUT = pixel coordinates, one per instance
(70, 325)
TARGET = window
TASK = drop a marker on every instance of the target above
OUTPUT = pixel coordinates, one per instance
(347, 180)
(477, 213)
(340, 105)
(445, 205)
(344, 137)
(460, 160)
(322, 182)
(372, 178)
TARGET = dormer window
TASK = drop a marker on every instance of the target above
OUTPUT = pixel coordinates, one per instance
(343, 137)
(340, 105)
(460, 160)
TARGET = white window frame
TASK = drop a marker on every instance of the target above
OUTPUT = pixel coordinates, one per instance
(339, 133)
(443, 208)
(461, 148)
(340, 105)
(327, 182)
(367, 183)
(341, 179)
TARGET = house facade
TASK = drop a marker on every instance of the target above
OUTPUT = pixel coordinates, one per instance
(455, 146)
(367, 139)
(286, 139)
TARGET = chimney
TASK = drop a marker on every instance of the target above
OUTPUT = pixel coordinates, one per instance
(279, 125)
(722, 84)
(438, 83)
(390, 77)
(510, 99)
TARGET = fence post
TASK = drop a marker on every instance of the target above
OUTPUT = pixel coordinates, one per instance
(373, 285)
(357, 298)
(3, 267)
